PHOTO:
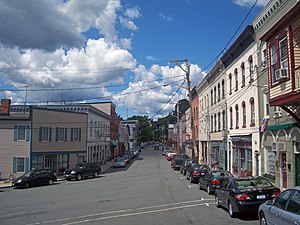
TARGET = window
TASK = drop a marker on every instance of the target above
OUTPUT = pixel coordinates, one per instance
(21, 132)
(61, 134)
(243, 74)
(251, 68)
(215, 122)
(37, 162)
(224, 119)
(219, 92)
(236, 79)
(230, 84)
(282, 199)
(45, 134)
(271, 161)
(76, 134)
(248, 163)
(212, 123)
(237, 117)
(283, 53)
(212, 97)
(219, 121)
(20, 164)
(294, 203)
(63, 160)
(244, 114)
(252, 112)
(223, 89)
(231, 119)
(274, 62)
(215, 95)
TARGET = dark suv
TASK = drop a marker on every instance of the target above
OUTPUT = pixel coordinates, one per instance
(177, 161)
(35, 178)
(83, 170)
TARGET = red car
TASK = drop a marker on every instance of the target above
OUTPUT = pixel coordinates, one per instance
(170, 156)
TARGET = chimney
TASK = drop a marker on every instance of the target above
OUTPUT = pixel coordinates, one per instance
(5, 107)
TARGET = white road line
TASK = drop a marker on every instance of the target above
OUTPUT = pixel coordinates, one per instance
(120, 211)
(135, 214)
(189, 186)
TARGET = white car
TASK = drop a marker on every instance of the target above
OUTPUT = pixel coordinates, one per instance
(282, 210)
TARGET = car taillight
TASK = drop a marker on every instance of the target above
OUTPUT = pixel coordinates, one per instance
(275, 193)
(242, 197)
(196, 173)
(215, 182)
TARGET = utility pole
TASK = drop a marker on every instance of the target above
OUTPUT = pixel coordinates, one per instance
(178, 130)
(187, 72)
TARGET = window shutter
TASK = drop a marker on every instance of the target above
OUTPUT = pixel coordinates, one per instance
(27, 133)
(72, 131)
(66, 134)
(79, 134)
(40, 134)
(56, 135)
(15, 133)
(50, 134)
(14, 164)
(26, 165)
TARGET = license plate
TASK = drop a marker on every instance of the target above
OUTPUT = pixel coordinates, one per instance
(202, 173)
(260, 196)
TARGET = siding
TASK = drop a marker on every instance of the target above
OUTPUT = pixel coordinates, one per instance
(281, 89)
(296, 44)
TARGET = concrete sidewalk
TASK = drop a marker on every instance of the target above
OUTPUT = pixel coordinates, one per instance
(104, 168)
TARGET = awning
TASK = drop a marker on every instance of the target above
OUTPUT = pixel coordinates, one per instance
(113, 142)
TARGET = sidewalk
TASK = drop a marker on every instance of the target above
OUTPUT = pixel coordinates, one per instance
(104, 168)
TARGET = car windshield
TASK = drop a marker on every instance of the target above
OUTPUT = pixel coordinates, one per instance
(221, 174)
(200, 167)
(253, 183)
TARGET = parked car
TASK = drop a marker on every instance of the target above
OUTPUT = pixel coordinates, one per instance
(156, 147)
(119, 162)
(186, 164)
(244, 194)
(196, 171)
(35, 178)
(213, 179)
(177, 161)
(283, 210)
(83, 170)
(170, 156)
(165, 150)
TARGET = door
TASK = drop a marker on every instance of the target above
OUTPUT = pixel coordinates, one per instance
(283, 170)
(48, 162)
(297, 169)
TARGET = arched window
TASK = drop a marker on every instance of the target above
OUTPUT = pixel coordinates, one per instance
(230, 84)
(219, 92)
(243, 74)
(236, 116)
(244, 114)
(223, 88)
(251, 68)
(231, 119)
(224, 119)
(252, 112)
(236, 79)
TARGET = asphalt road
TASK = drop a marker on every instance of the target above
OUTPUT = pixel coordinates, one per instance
(147, 192)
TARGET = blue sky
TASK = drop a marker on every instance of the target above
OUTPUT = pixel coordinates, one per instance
(112, 50)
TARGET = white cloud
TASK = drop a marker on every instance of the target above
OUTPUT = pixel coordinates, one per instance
(249, 3)
(127, 23)
(133, 12)
(168, 18)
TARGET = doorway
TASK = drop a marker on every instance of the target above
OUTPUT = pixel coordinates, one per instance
(283, 170)
(297, 169)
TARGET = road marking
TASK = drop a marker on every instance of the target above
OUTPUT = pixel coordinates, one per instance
(189, 186)
(181, 205)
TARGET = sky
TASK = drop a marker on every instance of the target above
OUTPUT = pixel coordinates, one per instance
(123, 51)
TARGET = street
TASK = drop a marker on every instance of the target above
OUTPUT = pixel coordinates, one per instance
(146, 192)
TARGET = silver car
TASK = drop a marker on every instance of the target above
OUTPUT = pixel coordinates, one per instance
(282, 210)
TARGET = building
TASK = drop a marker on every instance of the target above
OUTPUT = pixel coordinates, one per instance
(277, 29)
(134, 132)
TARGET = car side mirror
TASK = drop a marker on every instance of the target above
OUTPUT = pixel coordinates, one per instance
(269, 202)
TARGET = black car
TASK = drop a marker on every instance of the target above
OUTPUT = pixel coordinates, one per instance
(35, 178)
(213, 179)
(195, 172)
(177, 161)
(83, 170)
(244, 194)
(187, 163)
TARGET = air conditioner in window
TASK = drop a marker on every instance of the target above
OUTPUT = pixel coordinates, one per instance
(281, 74)
(277, 114)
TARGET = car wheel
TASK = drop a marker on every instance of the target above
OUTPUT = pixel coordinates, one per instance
(26, 185)
(50, 182)
(231, 211)
(208, 189)
(79, 176)
(96, 174)
(262, 219)
(217, 201)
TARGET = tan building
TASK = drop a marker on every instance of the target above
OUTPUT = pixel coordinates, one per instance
(39, 138)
